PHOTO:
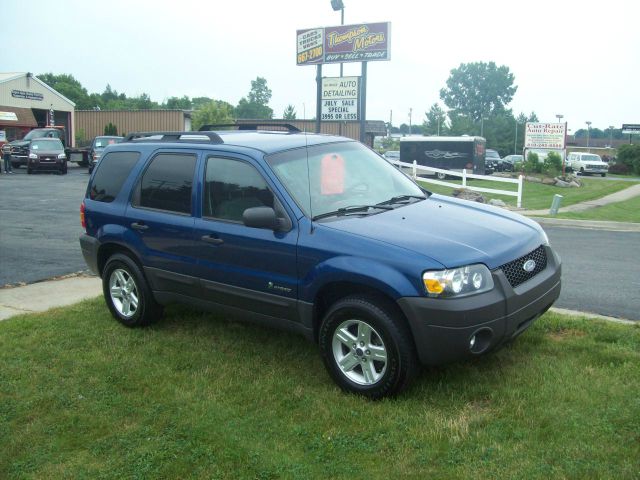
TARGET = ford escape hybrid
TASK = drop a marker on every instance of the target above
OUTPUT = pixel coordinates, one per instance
(316, 234)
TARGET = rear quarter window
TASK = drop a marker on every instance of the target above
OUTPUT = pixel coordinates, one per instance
(111, 174)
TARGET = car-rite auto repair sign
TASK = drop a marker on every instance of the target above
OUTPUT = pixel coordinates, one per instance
(545, 135)
(340, 98)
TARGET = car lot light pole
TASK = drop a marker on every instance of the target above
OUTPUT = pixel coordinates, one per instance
(588, 133)
(611, 127)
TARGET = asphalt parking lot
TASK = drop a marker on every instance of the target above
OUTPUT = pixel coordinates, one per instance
(40, 219)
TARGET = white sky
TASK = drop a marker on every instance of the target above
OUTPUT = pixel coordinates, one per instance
(576, 58)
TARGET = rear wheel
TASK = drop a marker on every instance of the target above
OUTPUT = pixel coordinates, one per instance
(367, 348)
(127, 292)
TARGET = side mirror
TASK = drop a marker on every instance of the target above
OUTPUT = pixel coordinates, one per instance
(261, 217)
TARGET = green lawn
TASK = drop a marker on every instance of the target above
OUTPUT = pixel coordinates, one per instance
(198, 397)
(536, 196)
(627, 211)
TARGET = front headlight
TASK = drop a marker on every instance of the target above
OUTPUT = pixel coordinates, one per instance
(33, 155)
(545, 238)
(458, 282)
(62, 155)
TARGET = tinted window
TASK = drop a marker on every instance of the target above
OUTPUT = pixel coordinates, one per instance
(232, 186)
(112, 171)
(166, 184)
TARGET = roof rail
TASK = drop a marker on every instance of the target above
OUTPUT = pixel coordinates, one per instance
(187, 137)
(252, 126)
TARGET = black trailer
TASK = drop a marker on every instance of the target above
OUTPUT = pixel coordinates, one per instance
(447, 153)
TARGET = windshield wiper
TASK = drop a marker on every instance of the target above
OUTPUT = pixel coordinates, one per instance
(352, 209)
(401, 198)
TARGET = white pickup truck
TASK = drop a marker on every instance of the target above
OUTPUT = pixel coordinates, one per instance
(587, 163)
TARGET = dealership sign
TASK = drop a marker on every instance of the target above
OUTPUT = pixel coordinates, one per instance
(545, 135)
(363, 42)
(630, 129)
(340, 98)
(27, 95)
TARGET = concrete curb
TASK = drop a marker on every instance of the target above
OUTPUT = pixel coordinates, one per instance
(589, 224)
(42, 296)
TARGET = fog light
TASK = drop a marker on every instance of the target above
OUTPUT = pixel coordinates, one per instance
(472, 342)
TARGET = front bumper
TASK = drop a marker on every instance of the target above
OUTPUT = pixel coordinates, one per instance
(443, 328)
(54, 165)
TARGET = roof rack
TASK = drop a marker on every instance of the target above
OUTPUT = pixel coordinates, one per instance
(252, 126)
(187, 137)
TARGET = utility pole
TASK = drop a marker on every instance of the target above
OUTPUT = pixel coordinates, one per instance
(410, 110)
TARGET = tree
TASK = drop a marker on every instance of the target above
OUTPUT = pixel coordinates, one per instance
(175, 103)
(289, 113)
(199, 102)
(215, 112)
(478, 90)
(434, 123)
(256, 106)
(68, 86)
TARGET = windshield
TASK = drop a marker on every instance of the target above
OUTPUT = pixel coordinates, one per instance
(41, 134)
(344, 174)
(591, 158)
(102, 142)
(492, 154)
(53, 145)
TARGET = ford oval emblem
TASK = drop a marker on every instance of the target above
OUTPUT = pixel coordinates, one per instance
(529, 265)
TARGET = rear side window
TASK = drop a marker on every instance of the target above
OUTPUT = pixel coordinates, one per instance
(113, 170)
(232, 186)
(167, 183)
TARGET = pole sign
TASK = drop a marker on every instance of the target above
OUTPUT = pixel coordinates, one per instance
(545, 135)
(340, 99)
(362, 42)
(631, 129)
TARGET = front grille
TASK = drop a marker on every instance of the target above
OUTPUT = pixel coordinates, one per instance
(515, 272)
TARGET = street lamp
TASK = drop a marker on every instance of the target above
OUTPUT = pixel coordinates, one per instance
(588, 132)
(338, 5)
(611, 127)
(410, 111)
(515, 140)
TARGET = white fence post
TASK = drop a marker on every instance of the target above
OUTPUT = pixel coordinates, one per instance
(415, 169)
(464, 178)
(519, 203)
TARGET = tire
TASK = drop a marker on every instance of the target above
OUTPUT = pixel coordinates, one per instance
(29, 171)
(603, 174)
(581, 171)
(441, 176)
(16, 164)
(127, 292)
(367, 348)
(64, 169)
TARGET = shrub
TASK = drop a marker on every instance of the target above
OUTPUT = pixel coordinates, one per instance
(619, 169)
(110, 129)
(552, 164)
(532, 164)
(629, 155)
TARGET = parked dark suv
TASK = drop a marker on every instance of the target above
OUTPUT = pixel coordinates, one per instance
(319, 235)
(97, 146)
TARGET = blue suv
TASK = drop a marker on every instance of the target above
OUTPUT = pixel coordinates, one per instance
(319, 235)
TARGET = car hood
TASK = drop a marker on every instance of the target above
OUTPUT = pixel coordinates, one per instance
(20, 143)
(47, 152)
(450, 231)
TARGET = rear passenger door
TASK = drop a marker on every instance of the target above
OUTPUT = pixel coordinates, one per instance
(160, 219)
(249, 268)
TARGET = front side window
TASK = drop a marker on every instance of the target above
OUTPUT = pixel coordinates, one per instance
(112, 171)
(232, 186)
(167, 183)
(341, 174)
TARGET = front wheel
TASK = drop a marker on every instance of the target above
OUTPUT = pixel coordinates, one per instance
(367, 348)
(127, 292)
(603, 174)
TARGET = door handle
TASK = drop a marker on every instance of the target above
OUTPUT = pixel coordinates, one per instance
(139, 226)
(211, 240)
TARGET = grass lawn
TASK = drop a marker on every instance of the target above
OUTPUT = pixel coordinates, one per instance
(627, 211)
(198, 397)
(536, 196)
